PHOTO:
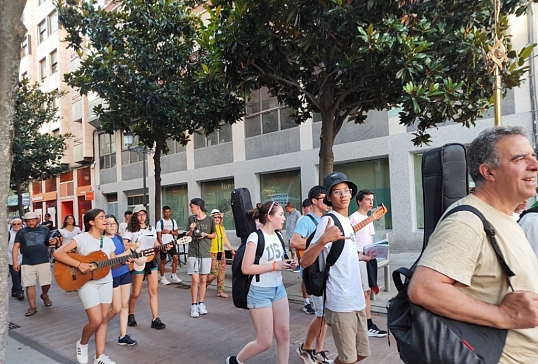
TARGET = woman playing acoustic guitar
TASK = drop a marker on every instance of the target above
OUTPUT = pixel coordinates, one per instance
(96, 295)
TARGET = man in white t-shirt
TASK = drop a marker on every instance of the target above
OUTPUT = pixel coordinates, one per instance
(166, 230)
(123, 225)
(344, 301)
(363, 237)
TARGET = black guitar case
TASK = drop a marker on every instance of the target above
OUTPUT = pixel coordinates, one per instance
(444, 181)
(241, 204)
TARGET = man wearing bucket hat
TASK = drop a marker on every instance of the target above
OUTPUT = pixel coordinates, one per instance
(202, 229)
(33, 243)
(344, 298)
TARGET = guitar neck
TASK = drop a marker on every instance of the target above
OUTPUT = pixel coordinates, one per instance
(117, 260)
(363, 223)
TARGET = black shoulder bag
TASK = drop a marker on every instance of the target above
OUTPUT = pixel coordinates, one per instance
(424, 337)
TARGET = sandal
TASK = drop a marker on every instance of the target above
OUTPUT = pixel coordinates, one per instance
(222, 294)
(46, 300)
(31, 311)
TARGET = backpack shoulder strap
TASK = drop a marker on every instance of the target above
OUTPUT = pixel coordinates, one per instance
(313, 220)
(162, 224)
(259, 250)
(490, 232)
(531, 210)
(281, 238)
(311, 236)
(337, 246)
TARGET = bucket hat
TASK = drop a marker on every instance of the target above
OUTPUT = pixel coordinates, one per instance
(331, 180)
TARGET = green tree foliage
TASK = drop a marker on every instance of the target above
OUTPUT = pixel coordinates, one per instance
(143, 61)
(36, 156)
(343, 58)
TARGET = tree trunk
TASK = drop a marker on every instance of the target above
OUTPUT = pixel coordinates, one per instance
(159, 143)
(12, 31)
(328, 121)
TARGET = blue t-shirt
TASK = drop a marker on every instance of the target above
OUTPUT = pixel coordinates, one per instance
(34, 245)
(120, 248)
(305, 226)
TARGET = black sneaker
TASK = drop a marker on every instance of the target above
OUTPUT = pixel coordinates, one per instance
(231, 360)
(126, 340)
(308, 309)
(131, 320)
(157, 324)
(375, 331)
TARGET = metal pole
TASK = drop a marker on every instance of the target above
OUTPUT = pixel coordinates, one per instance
(497, 96)
(144, 201)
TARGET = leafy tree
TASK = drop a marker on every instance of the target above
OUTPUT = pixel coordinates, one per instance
(36, 156)
(143, 61)
(343, 58)
(12, 32)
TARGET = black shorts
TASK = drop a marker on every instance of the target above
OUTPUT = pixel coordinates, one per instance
(121, 280)
(172, 251)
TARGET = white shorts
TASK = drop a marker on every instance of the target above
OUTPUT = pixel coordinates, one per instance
(364, 276)
(32, 273)
(198, 265)
(93, 294)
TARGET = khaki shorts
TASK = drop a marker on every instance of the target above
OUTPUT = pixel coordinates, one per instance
(350, 334)
(39, 272)
(364, 276)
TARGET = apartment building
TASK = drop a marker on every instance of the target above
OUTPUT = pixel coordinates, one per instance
(266, 152)
(45, 58)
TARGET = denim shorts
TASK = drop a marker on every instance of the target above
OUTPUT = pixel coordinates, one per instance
(125, 278)
(263, 297)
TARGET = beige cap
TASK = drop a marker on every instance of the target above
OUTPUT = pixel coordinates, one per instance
(30, 215)
(139, 208)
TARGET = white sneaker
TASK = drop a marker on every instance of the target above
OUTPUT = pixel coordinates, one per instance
(202, 309)
(82, 353)
(103, 359)
(175, 279)
(194, 311)
(164, 281)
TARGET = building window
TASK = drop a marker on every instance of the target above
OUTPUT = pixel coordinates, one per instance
(42, 31)
(372, 175)
(107, 151)
(53, 22)
(174, 147)
(130, 156)
(132, 201)
(217, 195)
(283, 187)
(26, 46)
(112, 204)
(178, 199)
(54, 61)
(264, 115)
(224, 135)
(43, 69)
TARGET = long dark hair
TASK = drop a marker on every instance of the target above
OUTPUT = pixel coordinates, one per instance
(65, 221)
(90, 216)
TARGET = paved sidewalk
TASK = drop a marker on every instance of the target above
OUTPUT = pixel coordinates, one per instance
(50, 335)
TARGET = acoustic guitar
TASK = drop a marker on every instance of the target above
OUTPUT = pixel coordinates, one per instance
(150, 252)
(70, 278)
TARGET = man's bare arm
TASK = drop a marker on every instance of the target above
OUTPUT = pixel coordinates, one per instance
(437, 293)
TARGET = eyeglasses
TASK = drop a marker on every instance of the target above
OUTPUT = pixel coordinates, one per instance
(274, 203)
(342, 193)
(16, 224)
(111, 224)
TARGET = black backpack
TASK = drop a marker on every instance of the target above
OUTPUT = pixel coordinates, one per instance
(314, 279)
(240, 281)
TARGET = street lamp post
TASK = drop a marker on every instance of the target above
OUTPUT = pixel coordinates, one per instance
(128, 143)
